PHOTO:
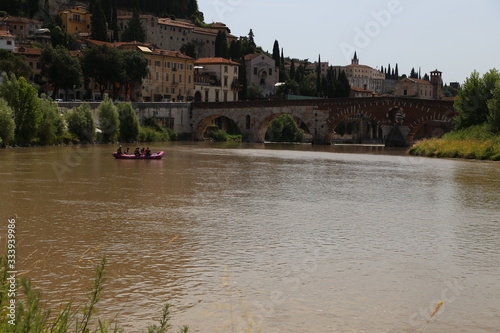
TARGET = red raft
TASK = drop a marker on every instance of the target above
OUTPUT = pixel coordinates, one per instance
(155, 156)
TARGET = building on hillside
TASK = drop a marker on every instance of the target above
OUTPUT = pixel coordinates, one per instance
(7, 41)
(262, 72)
(216, 80)
(421, 89)
(32, 57)
(76, 20)
(170, 34)
(360, 93)
(20, 27)
(362, 76)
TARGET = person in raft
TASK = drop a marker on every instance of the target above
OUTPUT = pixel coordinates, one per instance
(127, 151)
(147, 152)
(137, 151)
(119, 150)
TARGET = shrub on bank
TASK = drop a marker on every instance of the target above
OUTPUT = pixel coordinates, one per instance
(220, 135)
(475, 142)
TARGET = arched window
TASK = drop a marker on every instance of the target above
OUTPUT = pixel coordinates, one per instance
(247, 121)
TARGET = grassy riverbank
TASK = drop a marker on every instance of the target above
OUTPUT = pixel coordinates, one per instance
(475, 142)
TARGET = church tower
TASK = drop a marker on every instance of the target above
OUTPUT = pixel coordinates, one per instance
(355, 61)
(437, 84)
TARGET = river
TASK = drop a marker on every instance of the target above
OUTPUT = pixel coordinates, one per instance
(261, 237)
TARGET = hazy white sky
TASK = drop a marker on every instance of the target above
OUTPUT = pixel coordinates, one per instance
(453, 36)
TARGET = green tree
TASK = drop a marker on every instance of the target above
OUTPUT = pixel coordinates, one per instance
(134, 30)
(307, 87)
(242, 78)
(189, 49)
(290, 87)
(292, 70)
(99, 30)
(81, 123)
(129, 124)
(318, 77)
(135, 68)
(7, 124)
(494, 110)
(51, 129)
(104, 64)
(109, 121)
(12, 64)
(284, 129)
(342, 86)
(254, 92)
(472, 99)
(276, 54)
(221, 49)
(62, 70)
(23, 99)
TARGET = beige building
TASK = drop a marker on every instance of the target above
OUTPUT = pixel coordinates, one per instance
(76, 20)
(362, 76)
(32, 57)
(262, 72)
(216, 80)
(20, 27)
(170, 34)
(421, 89)
(170, 76)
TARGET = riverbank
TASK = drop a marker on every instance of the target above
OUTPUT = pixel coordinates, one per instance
(472, 143)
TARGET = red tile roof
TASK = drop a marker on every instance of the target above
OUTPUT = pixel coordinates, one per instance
(6, 34)
(249, 57)
(28, 51)
(360, 90)
(215, 61)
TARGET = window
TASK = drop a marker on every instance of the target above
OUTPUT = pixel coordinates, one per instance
(405, 92)
(270, 71)
(247, 120)
(225, 96)
(206, 95)
(157, 76)
(189, 79)
(167, 64)
(225, 69)
(173, 78)
(157, 63)
(255, 70)
(180, 78)
(217, 96)
(166, 77)
(235, 70)
(181, 66)
(225, 81)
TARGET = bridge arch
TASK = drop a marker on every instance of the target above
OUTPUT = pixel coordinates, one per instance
(347, 113)
(263, 125)
(201, 127)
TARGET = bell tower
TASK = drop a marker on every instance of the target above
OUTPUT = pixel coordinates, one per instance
(355, 60)
(437, 84)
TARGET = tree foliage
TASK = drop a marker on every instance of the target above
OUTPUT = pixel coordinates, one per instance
(105, 65)
(98, 22)
(12, 64)
(81, 123)
(7, 124)
(135, 68)
(134, 30)
(23, 99)
(129, 124)
(25, 8)
(62, 70)
(473, 98)
(51, 128)
(284, 129)
(109, 121)
(221, 48)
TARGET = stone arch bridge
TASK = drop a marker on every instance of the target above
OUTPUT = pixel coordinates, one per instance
(322, 116)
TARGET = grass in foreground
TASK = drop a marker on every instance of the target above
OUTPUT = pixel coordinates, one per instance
(32, 315)
(472, 143)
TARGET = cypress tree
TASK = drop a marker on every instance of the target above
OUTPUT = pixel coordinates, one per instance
(98, 22)
(292, 70)
(318, 77)
(276, 54)
(134, 31)
(396, 73)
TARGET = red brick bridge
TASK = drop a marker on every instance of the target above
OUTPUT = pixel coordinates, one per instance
(322, 116)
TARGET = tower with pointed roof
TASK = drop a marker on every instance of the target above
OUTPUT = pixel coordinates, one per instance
(355, 60)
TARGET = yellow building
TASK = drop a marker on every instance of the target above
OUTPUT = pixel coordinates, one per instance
(170, 78)
(76, 20)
